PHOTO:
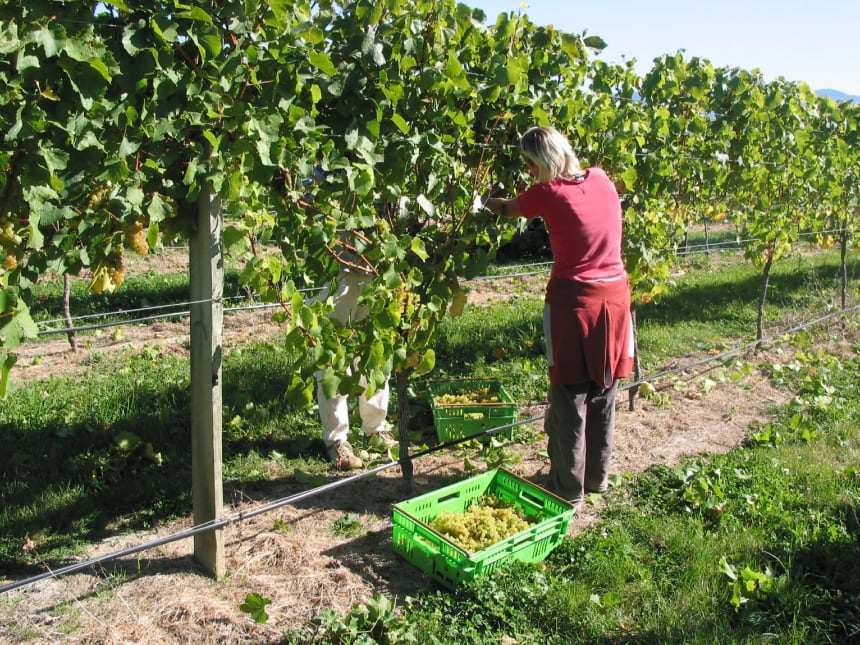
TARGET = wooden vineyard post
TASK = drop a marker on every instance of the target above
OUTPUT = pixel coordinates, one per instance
(207, 313)
(403, 430)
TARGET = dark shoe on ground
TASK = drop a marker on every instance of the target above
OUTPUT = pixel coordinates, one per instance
(340, 452)
(576, 500)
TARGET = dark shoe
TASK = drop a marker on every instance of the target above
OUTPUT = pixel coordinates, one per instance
(576, 500)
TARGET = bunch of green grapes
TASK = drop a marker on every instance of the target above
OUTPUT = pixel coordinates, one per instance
(115, 269)
(7, 233)
(136, 238)
(99, 196)
(486, 522)
(109, 273)
(476, 396)
(9, 243)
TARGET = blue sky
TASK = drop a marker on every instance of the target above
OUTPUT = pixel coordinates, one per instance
(815, 41)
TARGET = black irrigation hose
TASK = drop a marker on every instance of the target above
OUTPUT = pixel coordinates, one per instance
(194, 530)
(244, 515)
(213, 525)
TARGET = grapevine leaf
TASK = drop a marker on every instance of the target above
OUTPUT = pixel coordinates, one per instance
(45, 38)
(128, 441)
(400, 122)
(158, 209)
(235, 240)
(194, 13)
(330, 383)
(9, 42)
(323, 62)
(629, 178)
(27, 62)
(16, 323)
(255, 606)
(427, 363)
(419, 249)
(9, 359)
(304, 477)
(300, 391)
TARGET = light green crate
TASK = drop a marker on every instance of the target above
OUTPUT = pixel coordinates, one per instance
(457, 421)
(449, 564)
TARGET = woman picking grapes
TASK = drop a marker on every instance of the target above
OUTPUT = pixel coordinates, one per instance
(586, 315)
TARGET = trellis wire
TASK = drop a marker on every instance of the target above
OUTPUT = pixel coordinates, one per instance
(729, 245)
(175, 314)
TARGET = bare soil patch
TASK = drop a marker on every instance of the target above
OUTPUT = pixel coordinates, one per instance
(162, 596)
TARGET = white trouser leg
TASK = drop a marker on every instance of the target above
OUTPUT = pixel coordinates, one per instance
(345, 299)
(334, 415)
(374, 409)
(334, 412)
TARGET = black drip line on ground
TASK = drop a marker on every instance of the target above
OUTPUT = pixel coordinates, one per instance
(285, 501)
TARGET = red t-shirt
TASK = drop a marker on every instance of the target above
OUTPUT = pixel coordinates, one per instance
(583, 219)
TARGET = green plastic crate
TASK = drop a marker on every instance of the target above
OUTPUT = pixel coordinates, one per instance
(457, 421)
(451, 565)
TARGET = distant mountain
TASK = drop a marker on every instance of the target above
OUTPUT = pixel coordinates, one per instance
(836, 95)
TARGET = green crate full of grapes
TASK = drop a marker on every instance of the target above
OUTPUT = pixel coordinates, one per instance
(466, 407)
(465, 529)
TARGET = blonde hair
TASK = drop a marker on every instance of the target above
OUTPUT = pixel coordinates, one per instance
(551, 152)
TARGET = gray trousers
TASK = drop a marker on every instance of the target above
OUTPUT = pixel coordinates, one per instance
(580, 428)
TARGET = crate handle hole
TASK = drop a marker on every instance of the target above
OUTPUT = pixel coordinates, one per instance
(528, 496)
(424, 541)
(448, 498)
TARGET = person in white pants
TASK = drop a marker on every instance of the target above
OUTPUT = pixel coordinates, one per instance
(334, 412)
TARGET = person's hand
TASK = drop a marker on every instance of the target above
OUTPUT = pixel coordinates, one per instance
(498, 205)
(493, 204)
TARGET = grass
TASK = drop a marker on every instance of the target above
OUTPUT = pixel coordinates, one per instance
(110, 451)
(761, 544)
(712, 301)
